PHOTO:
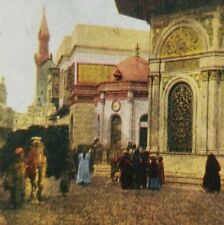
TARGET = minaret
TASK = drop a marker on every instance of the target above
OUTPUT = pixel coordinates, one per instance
(41, 58)
(44, 37)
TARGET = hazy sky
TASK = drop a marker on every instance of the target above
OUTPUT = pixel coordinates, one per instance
(19, 25)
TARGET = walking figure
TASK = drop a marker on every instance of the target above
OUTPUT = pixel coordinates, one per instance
(211, 179)
(15, 180)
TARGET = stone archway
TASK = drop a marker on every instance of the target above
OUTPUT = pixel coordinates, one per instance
(180, 115)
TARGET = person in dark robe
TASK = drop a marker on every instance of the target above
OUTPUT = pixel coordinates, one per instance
(67, 174)
(93, 149)
(154, 173)
(144, 166)
(137, 169)
(129, 146)
(16, 179)
(161, 170)
(211, 179)
(126, 171)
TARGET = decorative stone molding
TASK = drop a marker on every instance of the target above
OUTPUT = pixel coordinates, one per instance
(204, 75)
(182, 41)
(221, 32)
(197, 78)
(156, 33)
(165, 80)
(130, 96)
(189, 64)
(207, 23)
(213, 75)
(156, 80)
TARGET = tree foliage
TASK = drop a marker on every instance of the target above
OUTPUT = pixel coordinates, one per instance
(55, 139)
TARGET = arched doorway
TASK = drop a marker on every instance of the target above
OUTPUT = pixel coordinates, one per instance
(143, 129)
(180, 118)
(115, 143)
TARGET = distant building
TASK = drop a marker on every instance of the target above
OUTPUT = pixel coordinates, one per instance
(6, 113)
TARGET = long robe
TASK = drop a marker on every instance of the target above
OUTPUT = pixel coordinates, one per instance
(83, 175)
(211, 179)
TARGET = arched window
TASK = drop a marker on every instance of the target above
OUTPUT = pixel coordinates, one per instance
(180, 118)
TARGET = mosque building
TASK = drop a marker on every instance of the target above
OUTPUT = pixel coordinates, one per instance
(99, 84)
(186, 79)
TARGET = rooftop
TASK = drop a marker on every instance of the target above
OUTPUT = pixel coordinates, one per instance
(103, 37)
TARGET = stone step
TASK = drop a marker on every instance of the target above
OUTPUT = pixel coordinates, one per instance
(170, 178)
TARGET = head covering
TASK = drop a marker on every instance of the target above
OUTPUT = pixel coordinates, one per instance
(36, 138)
(95, 139)
(18, 150)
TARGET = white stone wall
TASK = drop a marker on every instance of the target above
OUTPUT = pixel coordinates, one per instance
(129, 113)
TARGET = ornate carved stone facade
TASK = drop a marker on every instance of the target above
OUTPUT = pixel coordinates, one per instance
(181, 42)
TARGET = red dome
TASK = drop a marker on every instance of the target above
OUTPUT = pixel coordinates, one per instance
(132, 69)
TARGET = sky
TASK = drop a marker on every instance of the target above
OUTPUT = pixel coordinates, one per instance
(19, 26)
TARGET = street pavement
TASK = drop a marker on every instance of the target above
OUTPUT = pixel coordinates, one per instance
(104, 203)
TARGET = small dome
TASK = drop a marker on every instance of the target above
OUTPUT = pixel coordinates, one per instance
(134, 68)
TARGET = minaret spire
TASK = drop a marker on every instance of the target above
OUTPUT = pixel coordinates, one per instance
(44, 37)
(44, 32)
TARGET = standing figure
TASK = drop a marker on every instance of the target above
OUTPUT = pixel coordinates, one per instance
(154, 173)
(144, 166)
(93, 150)
(83, 175)
(36, 170)
(126, 171)
(211, 179)
(15, 179)
(67, 174)
(137, 169)
(161, 170)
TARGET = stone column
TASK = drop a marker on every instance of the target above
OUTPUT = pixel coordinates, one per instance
(212, 111)
(202, 139)
(155, 113)
(102, 138)
(220, 142)
(130, 98)
(149, 111)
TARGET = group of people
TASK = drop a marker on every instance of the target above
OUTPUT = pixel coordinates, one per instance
(21, 168)
(80, 167)
(137, 169)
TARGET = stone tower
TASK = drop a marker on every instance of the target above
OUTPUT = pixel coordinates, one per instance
(3, 93)
(41, 59)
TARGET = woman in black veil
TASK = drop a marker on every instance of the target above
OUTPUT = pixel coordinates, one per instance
(211, 179)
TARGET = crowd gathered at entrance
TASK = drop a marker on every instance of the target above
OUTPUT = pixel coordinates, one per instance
(136, 168)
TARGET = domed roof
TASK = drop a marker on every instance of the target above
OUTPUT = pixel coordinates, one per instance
(134, 68)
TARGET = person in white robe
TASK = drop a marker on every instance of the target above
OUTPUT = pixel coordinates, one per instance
(84, 175)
